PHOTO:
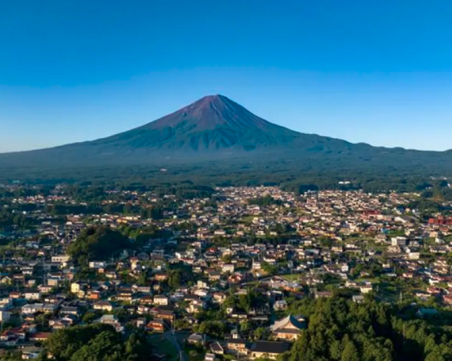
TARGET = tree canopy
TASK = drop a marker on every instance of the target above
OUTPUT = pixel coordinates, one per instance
(97, 243)
(341, 330)
(96, 342)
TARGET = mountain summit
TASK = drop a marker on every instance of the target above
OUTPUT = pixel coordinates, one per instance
(212, 123)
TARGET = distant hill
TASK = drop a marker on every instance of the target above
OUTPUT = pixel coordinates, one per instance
(217, 128)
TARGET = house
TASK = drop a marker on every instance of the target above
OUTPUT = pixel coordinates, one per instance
(111, 320)
(38, 307)
(214, 275)
(6, 280)
(40, 336)
(288, 328)
(15, 295)
(45, 289)
(53, 282)
(16, 334)
(139, 322)
(97, 264)
(157, 325)
(161, 276)
(358, 298)
(32, 295)
(236, 344)
(280, 305)
(76, 287)
(202, 284)
(202, 293)
(124, 296)
(165, 314)
(58, 324)
(161, 300)
(228, 268)
(142, 289)
(60, 259)
(366, 289)
(143, 310)
(219, 297)
(236, 278)
(94, 295)
(239, 314)
(111, 275)
(196, 339)
(70, 311)
(268, 349)
(30, 353)
(326, 294)
(103, 306)
(216, 348)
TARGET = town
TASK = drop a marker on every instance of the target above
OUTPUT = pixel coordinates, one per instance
(226, 273)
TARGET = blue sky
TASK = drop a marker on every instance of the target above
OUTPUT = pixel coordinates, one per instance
(374, 71)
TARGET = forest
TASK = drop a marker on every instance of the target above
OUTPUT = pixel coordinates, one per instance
(340, 329)
(95, 342)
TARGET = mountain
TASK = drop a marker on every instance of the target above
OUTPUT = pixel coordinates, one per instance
(210, 127)
(214, 128)
(212, 124)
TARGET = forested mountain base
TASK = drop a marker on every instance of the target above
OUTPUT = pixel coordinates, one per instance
(290, 175)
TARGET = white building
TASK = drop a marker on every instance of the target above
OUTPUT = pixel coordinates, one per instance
(62, 258)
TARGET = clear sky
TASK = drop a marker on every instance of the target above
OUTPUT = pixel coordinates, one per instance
(374, 71)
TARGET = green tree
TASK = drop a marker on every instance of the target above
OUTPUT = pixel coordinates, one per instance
(350, 352)
(269, 268)
(174, 279)
(335, 350)
(97, 243)
(261, 333)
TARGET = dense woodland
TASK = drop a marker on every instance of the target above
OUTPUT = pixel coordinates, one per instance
(289, 173)
(96, 342)
(340, 329)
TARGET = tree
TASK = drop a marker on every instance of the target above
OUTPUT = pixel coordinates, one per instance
(174, 279)
(105, 346)
(97, 243)
(245, 326)
(336, 350)
(261, 333)
(269, 268)
(214, 329)
(227, 258)
(90, 316)
(62, 344)
(96, 342)
(350, 352)
(435, 355)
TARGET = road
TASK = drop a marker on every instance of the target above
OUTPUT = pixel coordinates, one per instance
(169, 335)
